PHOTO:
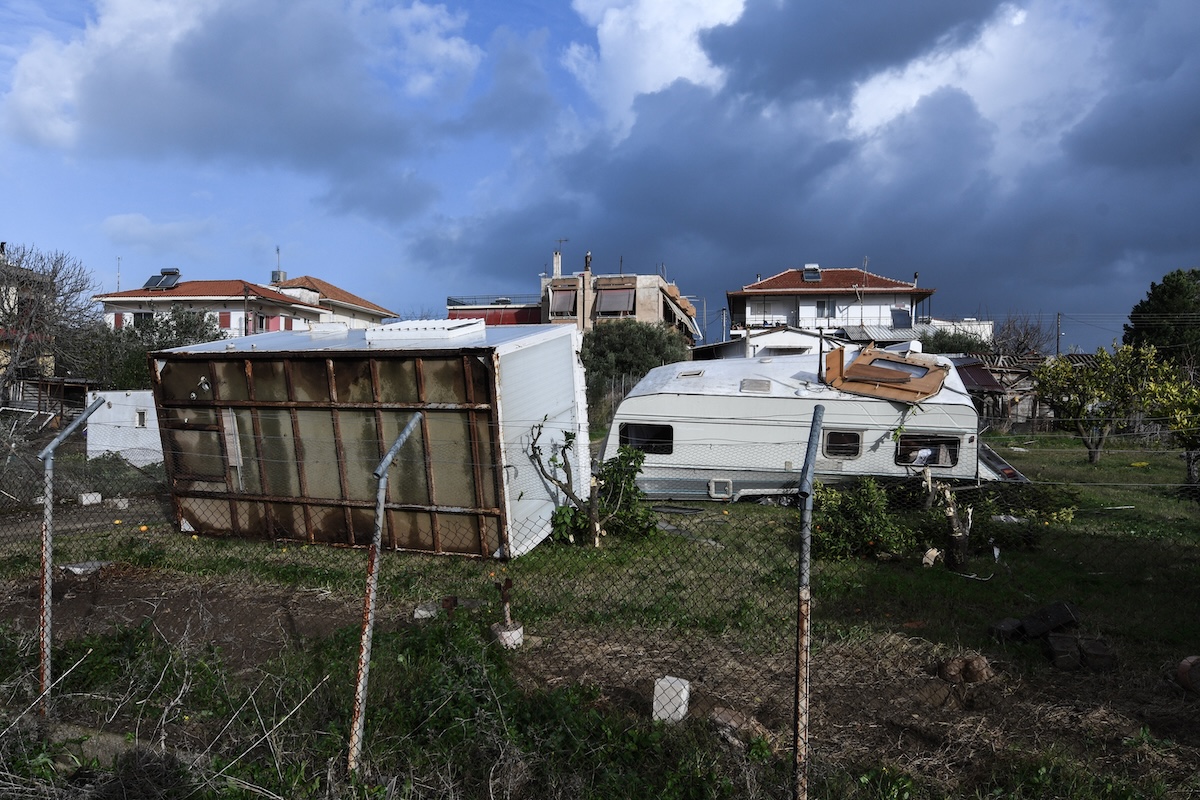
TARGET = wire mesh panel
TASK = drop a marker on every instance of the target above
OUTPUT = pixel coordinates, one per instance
(1064, 622)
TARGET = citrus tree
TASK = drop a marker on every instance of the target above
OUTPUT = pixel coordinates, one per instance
(1093, 396)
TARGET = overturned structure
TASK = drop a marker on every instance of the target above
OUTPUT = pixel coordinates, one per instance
(276, 435)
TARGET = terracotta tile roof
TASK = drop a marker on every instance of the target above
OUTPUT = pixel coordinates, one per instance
(330, 292)
(837, 279)
(232, 290)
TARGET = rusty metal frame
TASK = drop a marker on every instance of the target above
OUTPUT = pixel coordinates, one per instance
(477, 411)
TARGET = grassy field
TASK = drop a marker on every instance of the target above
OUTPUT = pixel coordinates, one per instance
(233, 679)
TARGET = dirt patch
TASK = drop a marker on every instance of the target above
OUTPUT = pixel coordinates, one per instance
(872, 703)
(249, 624)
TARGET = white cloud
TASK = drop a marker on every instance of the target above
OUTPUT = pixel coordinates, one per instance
(428, 54)
(139, 232)
(644, 46)
(1033, 73)
(163, 75)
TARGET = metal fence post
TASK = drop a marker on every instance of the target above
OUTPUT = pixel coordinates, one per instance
(358, 721)
(804, 611)
(47, 587)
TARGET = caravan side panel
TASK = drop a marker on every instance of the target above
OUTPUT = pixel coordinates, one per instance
(724, 448)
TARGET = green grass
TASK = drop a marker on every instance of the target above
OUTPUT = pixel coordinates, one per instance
(1117, 539)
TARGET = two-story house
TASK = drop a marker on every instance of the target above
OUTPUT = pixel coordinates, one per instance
(337, 304)
(585, 300)
(242, 308)
(830, 299)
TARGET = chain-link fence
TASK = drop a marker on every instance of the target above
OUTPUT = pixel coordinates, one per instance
(952, 626)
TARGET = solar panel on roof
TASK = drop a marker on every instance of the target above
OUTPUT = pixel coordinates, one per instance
(169, 280)
(153, 282)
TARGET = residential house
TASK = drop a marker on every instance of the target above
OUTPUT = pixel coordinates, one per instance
(585, 300)
(762, 343)
(239, 307)
(853, 303)
(126, 424)
(337, 304)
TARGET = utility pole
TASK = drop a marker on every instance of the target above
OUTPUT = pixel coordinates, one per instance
(1058, 333)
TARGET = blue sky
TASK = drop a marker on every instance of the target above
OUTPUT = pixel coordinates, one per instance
(1033, 157)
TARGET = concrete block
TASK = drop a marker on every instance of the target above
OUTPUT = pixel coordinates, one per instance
(90, 499)
(1063, 651)
(1097, 655)
(1006, 630)
(671, 698)
(1053, 617)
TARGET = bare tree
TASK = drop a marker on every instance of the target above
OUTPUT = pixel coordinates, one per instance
(45, 299)
(1023, 334)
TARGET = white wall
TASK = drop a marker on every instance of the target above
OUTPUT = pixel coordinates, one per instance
(125, 424)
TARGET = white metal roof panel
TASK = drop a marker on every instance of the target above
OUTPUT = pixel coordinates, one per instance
(774, 376)
(396, 337)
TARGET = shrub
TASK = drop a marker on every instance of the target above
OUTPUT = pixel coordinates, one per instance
(853, 520)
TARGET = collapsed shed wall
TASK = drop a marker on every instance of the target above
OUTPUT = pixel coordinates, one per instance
(277, 437)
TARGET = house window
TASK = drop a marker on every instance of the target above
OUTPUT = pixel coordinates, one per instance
(261, 323)
(657, 439)
(824, 309)
(141, 417)
(615, 302)
(223, 320)
(562, 302)
(843, 444)
(924, 450)
(287, 323)
(118, 321)
(143, 318)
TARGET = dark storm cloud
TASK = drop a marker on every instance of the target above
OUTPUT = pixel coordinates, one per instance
(779, 50)
(517, 98)
(1146, 124)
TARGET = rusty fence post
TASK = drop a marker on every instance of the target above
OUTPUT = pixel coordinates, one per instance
(47, 587)
(358, 721)
(804, 611)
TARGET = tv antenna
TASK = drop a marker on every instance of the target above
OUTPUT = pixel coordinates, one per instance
(560, 242)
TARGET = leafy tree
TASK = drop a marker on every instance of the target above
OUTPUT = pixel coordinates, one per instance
(1169, 319)
(45, 303)
(118, 357)
(627, 347)
(1092, 397)
(1177, 404)
(943, 341)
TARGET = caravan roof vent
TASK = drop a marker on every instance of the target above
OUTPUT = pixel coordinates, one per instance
(756, 385)
(812, 273)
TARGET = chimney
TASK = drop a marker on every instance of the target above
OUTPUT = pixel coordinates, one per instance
(557, 264)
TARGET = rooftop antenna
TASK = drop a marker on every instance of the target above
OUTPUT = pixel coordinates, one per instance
(559, 242)
(277, 266)
(118, 273)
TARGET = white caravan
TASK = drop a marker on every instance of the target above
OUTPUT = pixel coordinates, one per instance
(732, 428)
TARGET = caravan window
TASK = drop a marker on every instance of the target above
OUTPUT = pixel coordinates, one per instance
(658, 439)
(843, 444)
(924, 450)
